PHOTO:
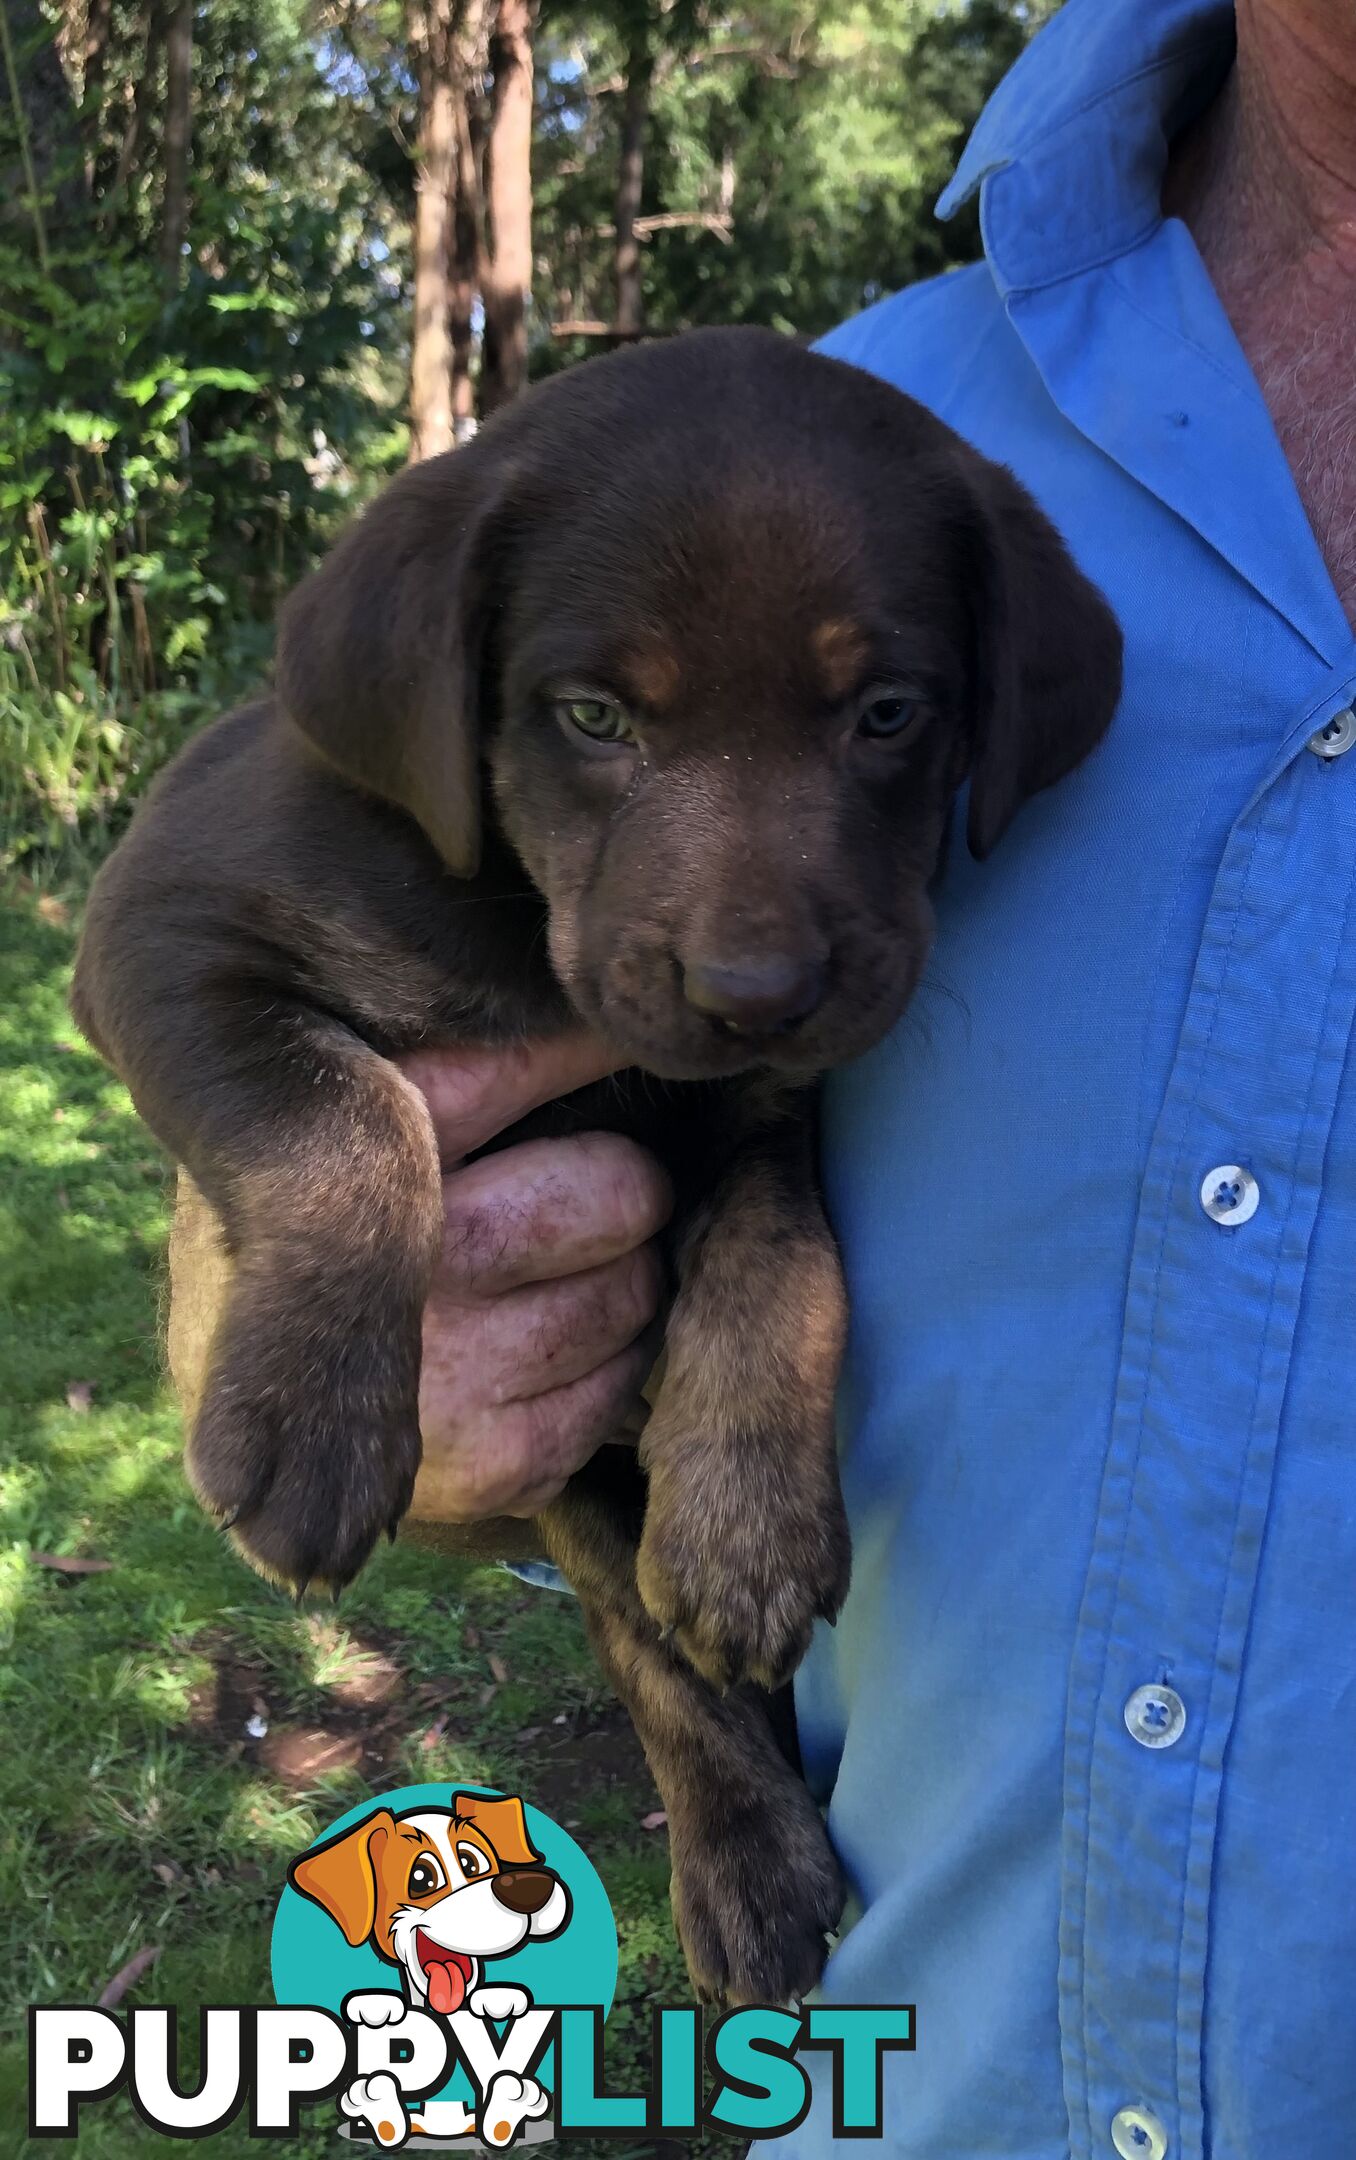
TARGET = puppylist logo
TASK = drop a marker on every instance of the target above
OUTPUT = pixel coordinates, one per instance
(443, 1963)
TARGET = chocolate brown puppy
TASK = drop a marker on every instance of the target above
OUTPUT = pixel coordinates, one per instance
(647, 708)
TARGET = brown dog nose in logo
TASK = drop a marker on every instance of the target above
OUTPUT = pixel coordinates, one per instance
(524, 1890)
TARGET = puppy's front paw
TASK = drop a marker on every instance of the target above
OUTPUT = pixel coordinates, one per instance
(377, 2102)
(510, 2102)
(498, 2003)
(755, 1897)
(307, 1441)
(375, 2008)
(738, 1563)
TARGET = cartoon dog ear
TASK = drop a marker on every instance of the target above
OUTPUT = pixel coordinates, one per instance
(380, 649)
(503, 1823)
(341, 1877)
(1049, 665)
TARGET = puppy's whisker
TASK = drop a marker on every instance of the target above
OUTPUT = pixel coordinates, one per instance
(465, 900)
(934, 985)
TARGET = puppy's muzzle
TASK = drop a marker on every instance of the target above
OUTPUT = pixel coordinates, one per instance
(524, 1890)
(767, 996)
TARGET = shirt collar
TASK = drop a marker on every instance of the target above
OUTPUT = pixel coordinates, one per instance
(1077, 132)
(1130, 339)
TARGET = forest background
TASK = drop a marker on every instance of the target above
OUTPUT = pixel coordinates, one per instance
(257, 253)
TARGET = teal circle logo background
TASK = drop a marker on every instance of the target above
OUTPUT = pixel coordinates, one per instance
(312, 1962)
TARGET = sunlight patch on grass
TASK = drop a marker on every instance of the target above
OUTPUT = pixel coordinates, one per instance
(13, 1569)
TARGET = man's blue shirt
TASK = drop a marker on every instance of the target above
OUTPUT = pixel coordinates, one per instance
(1097, 1440)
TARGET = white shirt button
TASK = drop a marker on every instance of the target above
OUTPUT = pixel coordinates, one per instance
(1138, 2135)
(1155, 1716)
(1230, 1195)
(1336, 737)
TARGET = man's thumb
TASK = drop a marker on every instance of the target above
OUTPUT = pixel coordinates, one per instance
(473, 1093)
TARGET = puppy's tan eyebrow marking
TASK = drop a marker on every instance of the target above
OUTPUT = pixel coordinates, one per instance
(840, 649)
(465, 1822)
(651, 673)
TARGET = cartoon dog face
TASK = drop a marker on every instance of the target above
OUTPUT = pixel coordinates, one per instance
(437, 1891)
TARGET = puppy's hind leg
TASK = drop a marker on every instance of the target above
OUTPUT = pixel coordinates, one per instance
(756, 1888)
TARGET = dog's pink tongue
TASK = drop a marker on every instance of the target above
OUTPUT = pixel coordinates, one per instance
(446, 1988)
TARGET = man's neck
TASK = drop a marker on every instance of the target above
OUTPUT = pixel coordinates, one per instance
(1266, 182)
(1272, 164)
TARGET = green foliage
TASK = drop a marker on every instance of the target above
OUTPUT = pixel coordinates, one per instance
(821, 136)
(175, 448)
(171, 460)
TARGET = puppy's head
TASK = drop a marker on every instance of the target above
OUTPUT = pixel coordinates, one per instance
(438, 1890)
(715, 629)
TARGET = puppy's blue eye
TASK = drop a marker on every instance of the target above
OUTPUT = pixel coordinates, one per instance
(597, 718)
(885, 713)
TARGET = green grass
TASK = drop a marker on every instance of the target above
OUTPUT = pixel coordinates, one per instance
(134, 1811)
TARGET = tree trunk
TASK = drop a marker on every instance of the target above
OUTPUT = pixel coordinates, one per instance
(178, 140)
(40, 189)
(143, 99)
(98, 23)
(630, 313)
(506, 276)
(468, 219)
(431, 340)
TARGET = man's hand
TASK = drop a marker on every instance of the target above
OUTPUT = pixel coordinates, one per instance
(534, 1334)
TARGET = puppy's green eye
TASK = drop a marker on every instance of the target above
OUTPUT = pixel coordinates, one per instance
(888, 710)
(597, 718)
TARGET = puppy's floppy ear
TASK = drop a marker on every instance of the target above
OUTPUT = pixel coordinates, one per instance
(379, 650)
(341, 1876)
(503, 1823)
(1048, 673)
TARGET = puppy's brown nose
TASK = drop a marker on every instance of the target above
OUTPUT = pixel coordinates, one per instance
(523, 1890)
(756, 997)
